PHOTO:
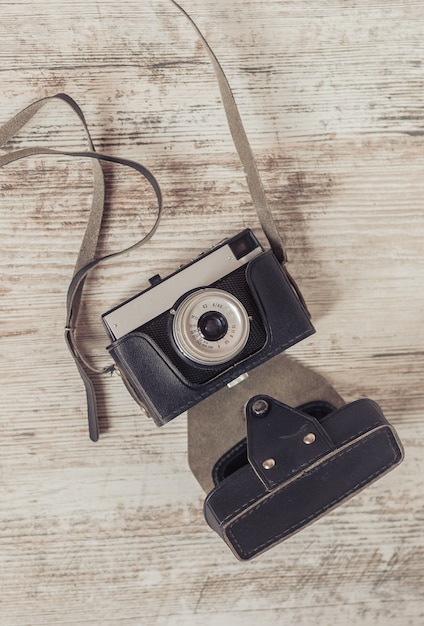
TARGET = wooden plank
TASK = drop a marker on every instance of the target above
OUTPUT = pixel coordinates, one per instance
(331, 97)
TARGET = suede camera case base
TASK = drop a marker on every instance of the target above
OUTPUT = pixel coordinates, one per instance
(156, 377)
(255, 508)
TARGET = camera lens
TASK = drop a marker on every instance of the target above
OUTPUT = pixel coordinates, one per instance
(213, 326)
(210, 326)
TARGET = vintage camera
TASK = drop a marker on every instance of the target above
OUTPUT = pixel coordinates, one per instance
(205, 326)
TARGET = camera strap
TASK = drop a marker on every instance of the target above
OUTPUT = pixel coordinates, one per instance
(86, 259)
(243, 148)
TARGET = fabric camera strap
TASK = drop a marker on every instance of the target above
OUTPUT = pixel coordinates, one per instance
(86, 259)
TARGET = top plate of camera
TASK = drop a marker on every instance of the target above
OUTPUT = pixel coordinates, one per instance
(204, 271)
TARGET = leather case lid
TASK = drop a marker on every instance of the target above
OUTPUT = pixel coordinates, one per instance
(296, 504)
(252, 510)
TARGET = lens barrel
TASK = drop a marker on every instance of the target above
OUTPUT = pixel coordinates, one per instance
(210, 326)
(213, 325)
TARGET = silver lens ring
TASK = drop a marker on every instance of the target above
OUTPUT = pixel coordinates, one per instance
(188, 334)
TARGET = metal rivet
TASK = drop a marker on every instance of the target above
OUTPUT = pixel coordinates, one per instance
(260, 407)
(309, 438)
(268, 464)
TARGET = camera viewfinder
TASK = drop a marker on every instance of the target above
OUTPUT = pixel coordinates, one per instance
(243, 245)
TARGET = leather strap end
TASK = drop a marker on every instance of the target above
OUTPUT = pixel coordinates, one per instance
(93, 422)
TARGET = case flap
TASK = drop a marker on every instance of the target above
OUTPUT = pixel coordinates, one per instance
(252, 519)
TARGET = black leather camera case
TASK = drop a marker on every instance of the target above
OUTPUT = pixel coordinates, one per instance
(298, 467)
(162, 382)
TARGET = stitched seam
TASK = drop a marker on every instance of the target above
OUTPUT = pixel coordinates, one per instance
(300, 523)
(376, 424)
(235, 511)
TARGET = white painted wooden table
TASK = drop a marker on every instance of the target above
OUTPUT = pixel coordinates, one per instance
(331, 94)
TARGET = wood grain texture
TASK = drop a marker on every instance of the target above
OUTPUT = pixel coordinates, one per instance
(331, 95)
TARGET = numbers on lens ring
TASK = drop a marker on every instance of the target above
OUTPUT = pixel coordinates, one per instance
(215, 305)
